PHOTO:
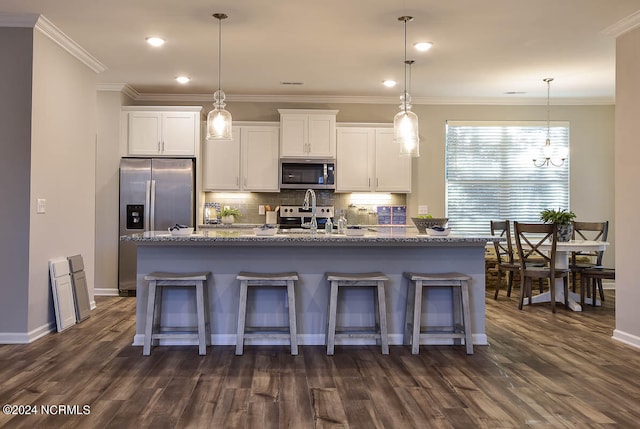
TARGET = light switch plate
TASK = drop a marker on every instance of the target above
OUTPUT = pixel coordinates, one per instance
(423, 210)
(261, 209)
(41, 205)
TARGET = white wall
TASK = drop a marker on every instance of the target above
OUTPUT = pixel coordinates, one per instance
(62, 170)
(15, 167)
(107, 177)
(627, 176)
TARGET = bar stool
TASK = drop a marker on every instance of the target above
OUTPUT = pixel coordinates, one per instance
(588, 276)
(153, 331)
(267, 280)
(461, 327)
(379, 330)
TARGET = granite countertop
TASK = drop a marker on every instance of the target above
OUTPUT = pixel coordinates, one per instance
(246, 236)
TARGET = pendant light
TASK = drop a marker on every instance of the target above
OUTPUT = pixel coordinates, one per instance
(219, 119)
(405, 123)
(548, 153)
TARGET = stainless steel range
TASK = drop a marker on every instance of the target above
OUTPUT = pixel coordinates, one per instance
(294, 216)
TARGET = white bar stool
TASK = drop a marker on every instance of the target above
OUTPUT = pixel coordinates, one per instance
(290, 332)
(153, 331)
(379, 330)
(459, 284)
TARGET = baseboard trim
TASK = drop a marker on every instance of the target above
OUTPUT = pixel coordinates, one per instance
(628, 339)
(27, 337)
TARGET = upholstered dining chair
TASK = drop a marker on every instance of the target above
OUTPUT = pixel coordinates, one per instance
(580, 261)
(530, 239)
(504, 254)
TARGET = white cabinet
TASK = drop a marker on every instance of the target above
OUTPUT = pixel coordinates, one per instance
(307, 133)
(162, 130)
(368, 161)
(247, 163)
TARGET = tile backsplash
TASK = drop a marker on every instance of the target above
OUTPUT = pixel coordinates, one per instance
(247, 203)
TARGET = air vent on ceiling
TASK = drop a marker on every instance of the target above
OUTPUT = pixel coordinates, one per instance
(291, 83)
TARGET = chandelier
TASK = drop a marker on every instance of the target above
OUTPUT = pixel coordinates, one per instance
(549, 155)
(219, 119)
(405, 122)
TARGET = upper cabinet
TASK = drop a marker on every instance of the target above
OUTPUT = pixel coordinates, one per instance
(307, 133)
(368, 161)
(247, 163)
(162, 131)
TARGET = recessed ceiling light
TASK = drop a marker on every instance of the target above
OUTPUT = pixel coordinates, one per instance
(155, 41)
(423, 46)
(389, 83)
(183, 79)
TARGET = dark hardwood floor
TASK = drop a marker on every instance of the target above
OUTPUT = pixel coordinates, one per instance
(540, 370)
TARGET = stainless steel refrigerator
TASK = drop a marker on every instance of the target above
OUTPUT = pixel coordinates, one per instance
(155, 193)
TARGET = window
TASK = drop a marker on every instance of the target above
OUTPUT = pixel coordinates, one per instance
(490, 173)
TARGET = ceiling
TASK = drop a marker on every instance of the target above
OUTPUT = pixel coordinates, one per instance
(339, 48)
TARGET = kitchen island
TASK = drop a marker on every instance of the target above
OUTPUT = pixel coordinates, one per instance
(226, 252)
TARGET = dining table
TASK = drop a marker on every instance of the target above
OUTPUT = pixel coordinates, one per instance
(563, 251)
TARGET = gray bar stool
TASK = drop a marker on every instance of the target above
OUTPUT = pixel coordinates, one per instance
(373, 280)
(153, 331)
(267, 280)
(459, 284)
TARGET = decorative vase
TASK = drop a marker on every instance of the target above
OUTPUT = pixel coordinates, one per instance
(228, 220)
(565, 231)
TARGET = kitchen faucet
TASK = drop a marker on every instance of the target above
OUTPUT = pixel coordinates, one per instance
(313, 225)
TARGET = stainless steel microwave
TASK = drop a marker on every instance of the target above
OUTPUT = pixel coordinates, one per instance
(307, 173)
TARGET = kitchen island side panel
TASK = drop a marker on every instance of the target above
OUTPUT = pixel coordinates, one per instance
(312, 291)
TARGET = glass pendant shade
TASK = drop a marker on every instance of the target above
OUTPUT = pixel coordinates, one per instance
(219, 120)
(405, 129)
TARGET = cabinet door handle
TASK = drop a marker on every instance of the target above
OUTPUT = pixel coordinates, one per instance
(369, 182)
(377, 182)
(159, 147)
(237, 181)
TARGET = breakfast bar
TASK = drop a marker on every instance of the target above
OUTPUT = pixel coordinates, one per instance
(225, 253)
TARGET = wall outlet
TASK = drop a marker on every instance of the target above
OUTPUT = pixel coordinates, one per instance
(41, 205)
(423, 210)
(261, 209)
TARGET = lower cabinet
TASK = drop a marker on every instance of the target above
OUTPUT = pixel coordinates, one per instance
(249, 162)
(368, 161)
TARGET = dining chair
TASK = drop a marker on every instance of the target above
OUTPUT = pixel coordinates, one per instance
(530, 239)
(580, 261)
(504, 254)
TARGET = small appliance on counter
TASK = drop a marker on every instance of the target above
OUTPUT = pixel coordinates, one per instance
(294, 216)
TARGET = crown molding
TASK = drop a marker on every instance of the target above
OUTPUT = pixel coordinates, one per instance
(47, 28)
(124, 88)
(623, 26)
(314, 99)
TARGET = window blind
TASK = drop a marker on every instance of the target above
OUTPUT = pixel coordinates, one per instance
(490, 173)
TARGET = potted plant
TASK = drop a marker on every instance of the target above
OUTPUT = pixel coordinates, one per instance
(563, 218)
(228, 215)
